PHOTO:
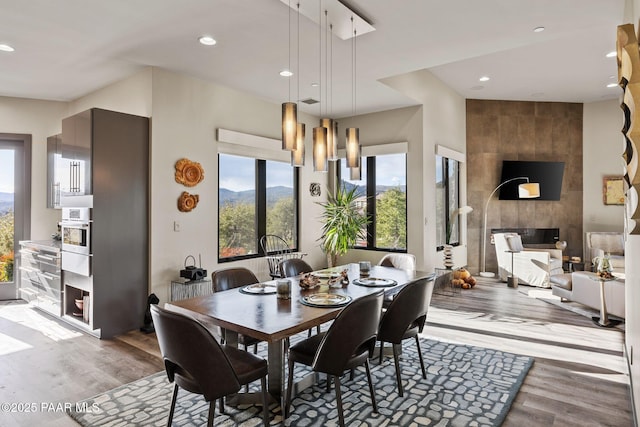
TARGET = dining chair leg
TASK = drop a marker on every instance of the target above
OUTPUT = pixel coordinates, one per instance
(336, 380)
(173, 405)
(351, 374)
(381, 351)
(371, 390)
(212, 413)
(265, 401)
(287, 400)
(424, 373)
(328, 383)
(396, 360)
(221, 404)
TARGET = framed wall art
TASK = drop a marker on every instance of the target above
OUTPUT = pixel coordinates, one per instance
(612, 190)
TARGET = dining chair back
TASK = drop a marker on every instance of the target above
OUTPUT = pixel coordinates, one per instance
(294, 267)
(405, 318)
(274, 247)
(348, 343)
(195, 361)
(230, 278)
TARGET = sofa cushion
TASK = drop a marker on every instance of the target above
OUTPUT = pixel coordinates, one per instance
(515, 243)
(561, 280)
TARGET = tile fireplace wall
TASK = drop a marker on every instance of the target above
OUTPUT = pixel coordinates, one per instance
(518, 130)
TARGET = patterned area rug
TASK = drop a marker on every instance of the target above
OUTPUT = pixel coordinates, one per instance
(465, 386)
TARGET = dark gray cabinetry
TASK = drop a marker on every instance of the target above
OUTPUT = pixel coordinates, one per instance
(118, 161)
(77, 139)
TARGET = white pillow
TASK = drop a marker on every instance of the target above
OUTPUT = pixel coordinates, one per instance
(515, 243)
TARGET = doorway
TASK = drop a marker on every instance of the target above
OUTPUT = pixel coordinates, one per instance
(15, 207)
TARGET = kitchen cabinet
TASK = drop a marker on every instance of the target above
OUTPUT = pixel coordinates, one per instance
(40, 275)
(76, 154)
(113, 151)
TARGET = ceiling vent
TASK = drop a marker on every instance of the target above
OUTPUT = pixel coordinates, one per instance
(310, 101)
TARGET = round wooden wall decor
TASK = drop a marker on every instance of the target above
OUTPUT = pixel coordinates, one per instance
(188, 173)
(187, 202)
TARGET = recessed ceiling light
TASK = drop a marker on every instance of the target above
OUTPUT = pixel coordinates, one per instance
(538, 29)
(286, 73)
(6, 48)
(315, 84)
(207, 40)
(612, 85)
(612, 77)
(612, 54)
(484, 78)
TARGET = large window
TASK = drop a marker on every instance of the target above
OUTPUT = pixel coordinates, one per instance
(447, 201)
(383, 195)
(255, 197)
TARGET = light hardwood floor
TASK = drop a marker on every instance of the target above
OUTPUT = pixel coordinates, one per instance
(579, 377)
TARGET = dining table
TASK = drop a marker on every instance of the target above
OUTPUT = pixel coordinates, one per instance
(262, 315)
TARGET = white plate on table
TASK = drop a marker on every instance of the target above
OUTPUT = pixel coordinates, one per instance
(260, 289)
(374, 282)
(325, 300)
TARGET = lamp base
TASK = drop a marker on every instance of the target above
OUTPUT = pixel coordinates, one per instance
(487, 274)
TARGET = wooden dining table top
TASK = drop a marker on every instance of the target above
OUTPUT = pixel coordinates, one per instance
(267, 318)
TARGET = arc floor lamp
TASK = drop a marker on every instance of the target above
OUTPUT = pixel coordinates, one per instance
(527, 190)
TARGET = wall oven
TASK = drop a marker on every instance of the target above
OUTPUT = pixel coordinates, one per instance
(75, 229)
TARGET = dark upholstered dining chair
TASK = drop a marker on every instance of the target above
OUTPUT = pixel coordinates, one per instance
(195, 361)
(294, 267)
(231, 278)
(342, 347)
(405, 318)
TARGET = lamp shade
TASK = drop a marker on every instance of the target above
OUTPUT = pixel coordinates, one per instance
(297, 155)
(353, 147)
(529, 190)
(332, 137)
(355, 174)
(289, 125)
(320, 163)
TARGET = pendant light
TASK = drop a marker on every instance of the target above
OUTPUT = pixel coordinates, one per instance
(289, 109)
(320, 163)
(297, 155)
(352, 144)
(328, 123)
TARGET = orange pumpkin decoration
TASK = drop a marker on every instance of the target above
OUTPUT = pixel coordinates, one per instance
(461, 274)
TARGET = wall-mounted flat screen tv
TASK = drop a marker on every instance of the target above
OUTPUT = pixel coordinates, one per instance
(547, 174)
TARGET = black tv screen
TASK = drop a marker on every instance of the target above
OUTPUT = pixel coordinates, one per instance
(547, 174)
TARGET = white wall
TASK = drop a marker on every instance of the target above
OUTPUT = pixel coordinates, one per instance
(41, 119)
(186, 114)
(443, 123)
(603, 145)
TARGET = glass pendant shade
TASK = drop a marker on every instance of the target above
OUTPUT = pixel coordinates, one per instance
(353, 147)
(297, 155)
(355, 174)
(289, 125)
(320, 163)
(332, 138)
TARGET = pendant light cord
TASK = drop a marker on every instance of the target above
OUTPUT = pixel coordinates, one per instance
(289, 50)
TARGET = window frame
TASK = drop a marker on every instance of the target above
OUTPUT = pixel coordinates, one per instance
(261, 206)
(371, 207)
(448, 209)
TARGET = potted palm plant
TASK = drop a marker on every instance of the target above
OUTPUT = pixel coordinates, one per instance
(343, 223)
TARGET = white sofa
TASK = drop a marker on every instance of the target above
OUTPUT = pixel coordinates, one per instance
(583, 287)
(531, 266)
(599, 243)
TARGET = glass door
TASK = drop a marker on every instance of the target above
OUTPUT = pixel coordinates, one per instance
(15, 172)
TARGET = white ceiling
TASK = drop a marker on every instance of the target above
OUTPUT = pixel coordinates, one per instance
(68, 48)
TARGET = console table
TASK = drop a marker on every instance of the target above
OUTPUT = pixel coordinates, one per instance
(183, 289)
